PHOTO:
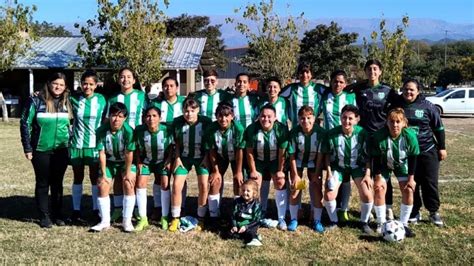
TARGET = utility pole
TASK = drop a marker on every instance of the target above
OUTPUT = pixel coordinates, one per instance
(445, 46)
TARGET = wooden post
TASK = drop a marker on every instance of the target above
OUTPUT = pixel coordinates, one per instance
(3, 104)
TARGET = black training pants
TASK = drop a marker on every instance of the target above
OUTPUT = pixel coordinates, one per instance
(249, 234)
(426, 178)
(49, 169)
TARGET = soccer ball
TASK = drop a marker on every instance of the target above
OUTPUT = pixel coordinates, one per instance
(393, 231)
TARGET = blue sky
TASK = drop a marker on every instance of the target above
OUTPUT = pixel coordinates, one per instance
(454, 11)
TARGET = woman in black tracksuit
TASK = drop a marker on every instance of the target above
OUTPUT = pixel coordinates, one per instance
(44, 129)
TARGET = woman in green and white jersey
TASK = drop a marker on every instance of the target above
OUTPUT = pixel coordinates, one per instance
(210, 97)
(282, 105)
(245, 104)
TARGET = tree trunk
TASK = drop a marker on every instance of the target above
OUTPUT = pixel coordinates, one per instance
(3, 104)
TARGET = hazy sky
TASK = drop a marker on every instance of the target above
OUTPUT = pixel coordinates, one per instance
(455, 11)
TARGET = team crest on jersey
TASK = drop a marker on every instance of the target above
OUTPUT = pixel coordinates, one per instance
(381, 95)
(419, 113)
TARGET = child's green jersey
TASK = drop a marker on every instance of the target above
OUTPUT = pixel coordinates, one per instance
(305, 147)
(115, 144)
(153, 145)
(225, 142)
(265, 144)
(190, 137)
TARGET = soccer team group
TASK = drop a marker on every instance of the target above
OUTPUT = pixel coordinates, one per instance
(367, 131)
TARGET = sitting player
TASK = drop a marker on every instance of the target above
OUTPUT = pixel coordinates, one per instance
(247, 214)
(345, 149)
(305, 140)
(395, 150)
(115, 144)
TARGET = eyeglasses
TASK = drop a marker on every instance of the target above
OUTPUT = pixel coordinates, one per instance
(212, 81)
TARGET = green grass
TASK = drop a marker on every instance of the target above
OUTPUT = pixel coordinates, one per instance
(22, 241)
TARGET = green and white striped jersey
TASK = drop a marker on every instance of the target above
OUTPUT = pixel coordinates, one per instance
(299, 96)
(331, 106)
(305, 147)
(115, 144)
(169, 111)
(265, 144)
(190, 137)
(153, 146)
(347, 152)
(88, 113)
(208, 103)
(227, 142)
(282, 108)
(135, 102)
(395, 152)
(245, 109)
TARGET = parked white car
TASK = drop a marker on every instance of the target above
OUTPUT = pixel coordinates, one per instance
(454, 101)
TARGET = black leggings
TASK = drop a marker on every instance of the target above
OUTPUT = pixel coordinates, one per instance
(49, 169)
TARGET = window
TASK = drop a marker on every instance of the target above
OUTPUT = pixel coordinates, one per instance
(458, 95)
(471, 93)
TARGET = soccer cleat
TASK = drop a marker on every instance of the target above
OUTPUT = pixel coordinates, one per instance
(331, 226)
(116, 215)
(99, 227)
(142, 224)
(59, 222)
(164, 222)
(76, 219)
(436, 219)
(414, 218)
(366, 229)
(409, 232)
(378, 230)
(254, 243)
(174, 226)
(127, 226)
(390, 215)
(45, 222)
(282, 224)
(342, 216)
(318, 226)
(293, 225)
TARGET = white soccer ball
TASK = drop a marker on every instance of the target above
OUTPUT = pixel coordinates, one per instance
(393, 231)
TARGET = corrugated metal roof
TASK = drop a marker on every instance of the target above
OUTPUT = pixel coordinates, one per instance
(58, 52)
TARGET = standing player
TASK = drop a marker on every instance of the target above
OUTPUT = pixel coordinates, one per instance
(115, 144)
(282, 105)
(305, 140)
(171, 106)
(395, 149)
(346, 155)
(88, 109)
(210, 97)
(188, 134)
(153, 141)
(332, 103)
(245, 105)
(266, 143)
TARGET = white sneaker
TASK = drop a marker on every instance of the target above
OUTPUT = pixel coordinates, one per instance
(415, 219)
(102, 226)
(128, 226)
(254, 243)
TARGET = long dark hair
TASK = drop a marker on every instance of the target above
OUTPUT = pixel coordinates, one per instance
(63, 99)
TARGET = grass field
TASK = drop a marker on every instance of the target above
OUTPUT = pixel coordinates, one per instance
(23, 241)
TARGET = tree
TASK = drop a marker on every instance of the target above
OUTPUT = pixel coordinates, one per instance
(45, 29)
(392, 53)
(198, 26)
(134, 36)
(273, 42)
(327, 49)
(16, 36)
(449, 76)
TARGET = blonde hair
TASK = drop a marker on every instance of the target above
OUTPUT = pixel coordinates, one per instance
(49, 99)
(254, 185)
(397, 113)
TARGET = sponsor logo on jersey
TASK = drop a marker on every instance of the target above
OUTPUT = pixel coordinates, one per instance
(419, 113)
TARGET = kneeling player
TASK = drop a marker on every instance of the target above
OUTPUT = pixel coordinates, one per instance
(153, 140)
(346, 154)
(115, 144)
(305, 140)
(188, 131)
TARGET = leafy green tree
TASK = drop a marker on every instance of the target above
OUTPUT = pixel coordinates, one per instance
(134, 35)
(16, 36)
(327, 49)
(45, 29)
(199, 26)
(392, 53)
(449, 76)
(273, 42)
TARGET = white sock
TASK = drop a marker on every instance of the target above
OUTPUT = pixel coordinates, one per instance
(214, 202)
(345, 195)
(76, 196)
(365, 209)
(331, 209)
(201, 211)
(104, 209)
(156, 196)
(141, 201)
(294, 211)
(183, 195)
(264, 191)
(317, 212)
(405, 211)
(280, 200)
(175, 211)
(128, 206)
(165, 203)
(380, 213)
(95, 195)
(118, 201)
